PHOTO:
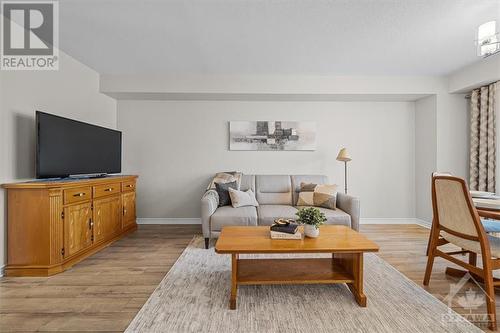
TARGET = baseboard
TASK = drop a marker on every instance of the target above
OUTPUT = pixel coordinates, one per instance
(365, 220)
(168, 220)
(423, 223)
(390, 220)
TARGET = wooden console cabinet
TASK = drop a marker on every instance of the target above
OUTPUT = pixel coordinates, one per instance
(52, 225)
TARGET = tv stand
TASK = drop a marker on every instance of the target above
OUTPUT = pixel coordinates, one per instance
(52, 225)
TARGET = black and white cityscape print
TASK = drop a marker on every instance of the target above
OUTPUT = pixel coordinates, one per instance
(272, 135)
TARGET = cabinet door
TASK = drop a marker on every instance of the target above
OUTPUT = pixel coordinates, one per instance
(77, 228)
(107, 218)
(128, 203)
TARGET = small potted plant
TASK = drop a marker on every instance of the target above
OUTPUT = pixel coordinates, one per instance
(311, 218)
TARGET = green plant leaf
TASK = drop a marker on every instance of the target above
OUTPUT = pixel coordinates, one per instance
(311, 215)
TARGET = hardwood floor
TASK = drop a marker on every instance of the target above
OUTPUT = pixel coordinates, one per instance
(104, 292)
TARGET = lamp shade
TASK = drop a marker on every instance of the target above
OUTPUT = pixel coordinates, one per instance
(343, 155)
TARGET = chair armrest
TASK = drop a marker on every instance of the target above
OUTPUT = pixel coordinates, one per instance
(209, 204)
(350, 205)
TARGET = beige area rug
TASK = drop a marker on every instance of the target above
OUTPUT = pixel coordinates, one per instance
(194, 297)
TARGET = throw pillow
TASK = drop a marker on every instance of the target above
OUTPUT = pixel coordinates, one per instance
(321, 195)
(241, 198)
(306, 194)
(325, 196)
(226, 177)
(223, 192)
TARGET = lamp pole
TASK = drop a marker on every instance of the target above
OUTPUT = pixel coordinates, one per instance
(345, 177)
(344, 156)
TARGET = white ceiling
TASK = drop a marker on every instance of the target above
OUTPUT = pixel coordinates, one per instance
(231, 37)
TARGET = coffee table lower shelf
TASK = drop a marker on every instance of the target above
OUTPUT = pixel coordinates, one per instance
(340, 268)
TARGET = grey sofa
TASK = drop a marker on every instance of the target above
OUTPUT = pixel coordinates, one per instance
(277, 196)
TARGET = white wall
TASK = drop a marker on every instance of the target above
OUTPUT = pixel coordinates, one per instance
(72, 91)
(176, 146)
(425, 154)
(453, 134)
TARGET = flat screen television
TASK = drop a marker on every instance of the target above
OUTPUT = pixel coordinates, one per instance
(66, 147)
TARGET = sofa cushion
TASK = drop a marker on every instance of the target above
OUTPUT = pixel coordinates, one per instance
(297, 179)
(268, 213)
(223, 192)
(242, 198)
(227, 215)
(247, 183)
(226, 177)
(336, 216)
(273, 189)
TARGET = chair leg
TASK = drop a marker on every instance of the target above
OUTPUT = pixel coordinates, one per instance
(473, 258)
(490, 297)
(207, 242)
(430, 238)
(430, 253)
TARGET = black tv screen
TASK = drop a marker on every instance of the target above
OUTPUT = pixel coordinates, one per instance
(68, 147)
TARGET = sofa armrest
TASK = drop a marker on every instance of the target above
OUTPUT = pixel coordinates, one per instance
(209, 203)
(350, 205)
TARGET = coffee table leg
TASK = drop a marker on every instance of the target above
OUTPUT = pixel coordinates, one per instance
(234, 281)
(353, 263)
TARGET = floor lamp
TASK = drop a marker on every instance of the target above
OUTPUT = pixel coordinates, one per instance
(344, 156)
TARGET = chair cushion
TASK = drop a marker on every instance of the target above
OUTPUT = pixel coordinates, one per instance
(227, 215)
(491, 225)
(336, 216)
(268, 213)
(473, 245)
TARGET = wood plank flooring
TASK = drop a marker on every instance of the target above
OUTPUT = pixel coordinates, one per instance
(104, 292)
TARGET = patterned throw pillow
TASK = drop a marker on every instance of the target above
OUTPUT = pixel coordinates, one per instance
(325, 196)
(318, 195)
(306, 194)
(226, 177)
(223, 192)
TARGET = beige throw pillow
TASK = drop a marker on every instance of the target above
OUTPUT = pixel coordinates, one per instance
(242, 198)
(322, 195)
(226, 177)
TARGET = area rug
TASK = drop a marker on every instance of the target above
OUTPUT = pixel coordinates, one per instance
(194, 297)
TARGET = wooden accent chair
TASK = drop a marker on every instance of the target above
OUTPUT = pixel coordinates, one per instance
(457, 221)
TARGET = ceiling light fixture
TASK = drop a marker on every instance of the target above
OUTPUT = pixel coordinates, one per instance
(487, 39)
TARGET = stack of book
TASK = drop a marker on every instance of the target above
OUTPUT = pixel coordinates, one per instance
(285, 229)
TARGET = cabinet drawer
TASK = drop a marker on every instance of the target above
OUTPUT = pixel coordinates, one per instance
(77, 194)
(107, 189)
(128, 186)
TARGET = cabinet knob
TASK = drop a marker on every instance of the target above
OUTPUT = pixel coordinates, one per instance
(108, 189)
(81, 194)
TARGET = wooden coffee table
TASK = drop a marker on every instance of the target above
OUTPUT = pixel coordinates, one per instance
(345, 266)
